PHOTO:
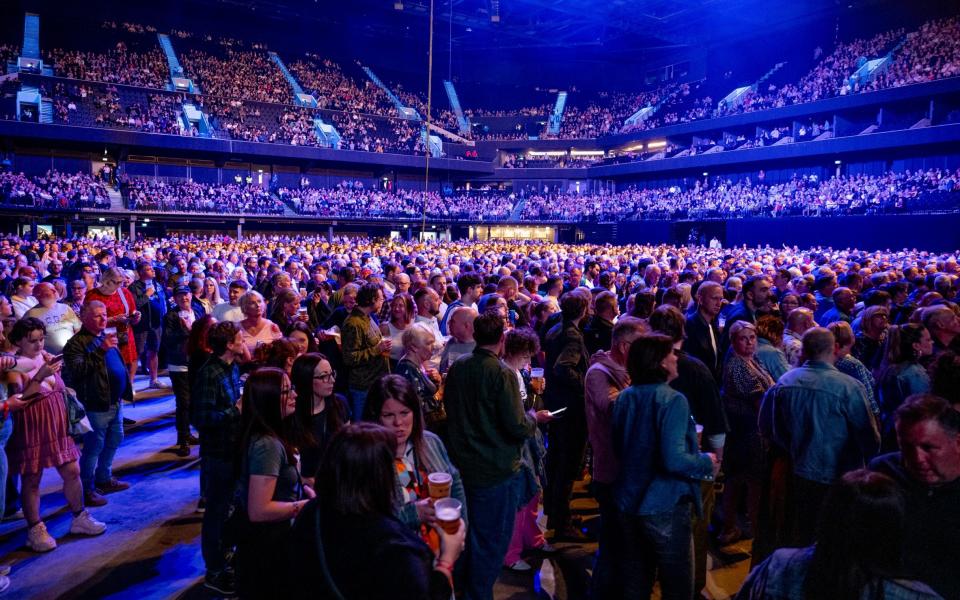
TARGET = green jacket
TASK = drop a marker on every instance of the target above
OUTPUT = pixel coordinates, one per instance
(485, 417)
(360, 338)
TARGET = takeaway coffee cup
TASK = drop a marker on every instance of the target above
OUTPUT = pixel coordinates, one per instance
(448, 514)
(439, 484)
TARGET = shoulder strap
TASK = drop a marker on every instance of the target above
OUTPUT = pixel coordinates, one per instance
(322, 557)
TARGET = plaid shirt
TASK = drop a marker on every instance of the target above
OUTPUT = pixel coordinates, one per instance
(214, 398)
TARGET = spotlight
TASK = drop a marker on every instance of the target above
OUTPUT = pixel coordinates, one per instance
(837, 162)
(398, 5)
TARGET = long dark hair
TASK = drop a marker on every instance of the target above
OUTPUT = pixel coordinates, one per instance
(900, 340)
(395, 387)
(261, 411)
(645, 357)
(859, 538)
(357, 475)
(197, 340)
(301, 378)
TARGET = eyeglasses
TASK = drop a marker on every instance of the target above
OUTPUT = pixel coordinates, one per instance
(331, 376)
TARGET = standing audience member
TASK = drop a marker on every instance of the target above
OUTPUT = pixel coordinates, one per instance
(216, 414)
(418, 348)
(365, 350)
(121, 313)
(40, 437)
(353, 524)
(901, 374)
(59, 320)
(568, 361)
(605, 379)
(320, 411)
(703, 329)
(487, 427)
(461, 341)
(151, 300)
(94, 368)
(175, 333)
(822, 420)
(657, 488)
(271, 492)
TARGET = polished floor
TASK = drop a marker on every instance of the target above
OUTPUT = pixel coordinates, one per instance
(152, 545)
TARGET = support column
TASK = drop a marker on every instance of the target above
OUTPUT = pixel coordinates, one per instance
(68, 224)
(133, 229)
(240, 228)
(33, 229)
(330, 233)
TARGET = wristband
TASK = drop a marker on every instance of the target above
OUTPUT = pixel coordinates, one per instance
(443, 565)
(296, 509)
(6, 409)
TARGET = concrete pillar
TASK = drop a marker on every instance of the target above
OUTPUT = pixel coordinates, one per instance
(330, 233)
(133, 228)
(240, 228)
(69, 227)
(33, 229)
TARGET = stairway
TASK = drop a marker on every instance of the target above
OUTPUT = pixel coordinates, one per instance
(326, 133)
(556, 118)
(770, 73)
(462, 123)
(46, 110)
(31, 36)
(517, 213)
(116, 201)
(405, 112)
(172, 61)
(300, 97)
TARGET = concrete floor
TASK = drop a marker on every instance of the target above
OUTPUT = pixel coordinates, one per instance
(152, 545)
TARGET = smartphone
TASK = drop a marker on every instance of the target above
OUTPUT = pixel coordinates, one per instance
(54, 360)
(554, 413)
(31, 397)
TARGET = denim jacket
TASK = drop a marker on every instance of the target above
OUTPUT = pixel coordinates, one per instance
(655, 438)
(822, 418)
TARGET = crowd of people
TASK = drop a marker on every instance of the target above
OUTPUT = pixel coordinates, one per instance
(240, 73)
(53, 191)
(353, 201)
(190, 196)
(909, 191)
(415, 404)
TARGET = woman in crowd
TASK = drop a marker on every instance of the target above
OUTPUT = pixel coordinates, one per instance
(286, 308)
(744, 383)
(59, 319)
(788, 302)
(352, 525)
(858, 554)
(211, 295)
(271, 493)
(256, 330)
(418, 347)
(494, 302)
(40, 438)
(769, 343)
(320, 411)
(393, 403)
(348, 300)
(661, 468)
(401, 314)
(279, 354)
(520, 346)
(122, 313)
(199, 353)
(21, 296)
(300, 334)
(901, 374)
(318, 305)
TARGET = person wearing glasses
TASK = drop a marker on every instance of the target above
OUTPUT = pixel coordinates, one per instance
(320, 412)
(271, 491)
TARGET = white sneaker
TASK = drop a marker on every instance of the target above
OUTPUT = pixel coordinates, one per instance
(4, 583)
(84, 524)
(39, 540)
(520, 565)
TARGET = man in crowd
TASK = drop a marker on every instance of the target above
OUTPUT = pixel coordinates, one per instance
(597, 334)
(821, 418)
(151, 300)
(844, 300)
(756, 295)
(944, 326)
(216, 414)
(487, 427)
(568, 361)
(94, 368)
(798, 322)
(461, 340)
(428, 307)
(364, 347)
(824, 286)
(470, 287)
(927, 468)
(703, 328)
(868, 347)
(230, 310)
(605, 379)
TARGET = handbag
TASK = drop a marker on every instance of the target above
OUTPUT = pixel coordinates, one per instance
(77, 422)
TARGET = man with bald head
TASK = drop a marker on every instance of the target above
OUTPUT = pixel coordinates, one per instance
(843, 302)
(798, 322)
(461, 342)
(820, 417)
